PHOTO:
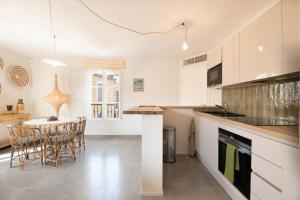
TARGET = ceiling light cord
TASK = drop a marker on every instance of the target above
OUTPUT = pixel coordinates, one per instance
(129, 29)
(52, 29)
(185, 31)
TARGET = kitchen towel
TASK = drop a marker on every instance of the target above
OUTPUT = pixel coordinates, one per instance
(237, 161)
(192, 151)
(229, 163)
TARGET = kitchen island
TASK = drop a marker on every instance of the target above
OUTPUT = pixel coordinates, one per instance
(152, 149)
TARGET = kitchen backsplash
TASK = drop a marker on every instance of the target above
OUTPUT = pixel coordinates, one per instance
(271, 99)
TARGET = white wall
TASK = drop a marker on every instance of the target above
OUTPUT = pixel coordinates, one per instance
(10, 94)
(193, 81)
(181, 119)
(161, 88)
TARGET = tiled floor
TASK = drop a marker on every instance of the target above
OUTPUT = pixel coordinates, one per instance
(108, 169)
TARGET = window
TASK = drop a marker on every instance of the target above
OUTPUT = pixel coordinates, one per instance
(105, 95)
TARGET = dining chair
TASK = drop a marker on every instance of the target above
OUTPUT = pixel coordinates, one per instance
(25, 141)
(80, 132)
(59, 141)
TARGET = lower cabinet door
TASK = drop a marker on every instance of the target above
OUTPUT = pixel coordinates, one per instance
(263, 190)
(253, 196)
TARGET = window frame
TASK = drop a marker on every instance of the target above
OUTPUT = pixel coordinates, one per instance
(105, 73)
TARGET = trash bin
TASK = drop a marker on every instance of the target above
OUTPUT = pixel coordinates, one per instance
(169, 144)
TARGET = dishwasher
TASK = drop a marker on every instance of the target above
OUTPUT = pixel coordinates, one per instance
(242, 176)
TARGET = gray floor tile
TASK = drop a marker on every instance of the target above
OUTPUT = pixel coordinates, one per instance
(110, 168)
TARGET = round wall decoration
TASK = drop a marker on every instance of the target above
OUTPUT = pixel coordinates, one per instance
(1, 63)
(19, 76)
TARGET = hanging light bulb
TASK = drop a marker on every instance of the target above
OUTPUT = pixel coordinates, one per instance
(185, 46)
(52, 61)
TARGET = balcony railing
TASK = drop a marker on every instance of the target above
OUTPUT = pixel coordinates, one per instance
(97, 110)
(105, 110)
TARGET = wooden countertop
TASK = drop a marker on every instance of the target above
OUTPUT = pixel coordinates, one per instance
(144, 110)
(188, 107)
(284, 134)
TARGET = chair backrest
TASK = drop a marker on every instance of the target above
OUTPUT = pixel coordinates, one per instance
(59, 134)
(22, 136)
(54, 130)
(82, 124)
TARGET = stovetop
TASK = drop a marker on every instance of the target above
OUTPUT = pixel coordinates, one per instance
(256, 121)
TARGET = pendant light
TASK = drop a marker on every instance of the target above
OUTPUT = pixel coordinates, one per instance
(52, 61)
(56, 98)
(184, 44)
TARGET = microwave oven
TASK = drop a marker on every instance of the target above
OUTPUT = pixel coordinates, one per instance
(214, 75)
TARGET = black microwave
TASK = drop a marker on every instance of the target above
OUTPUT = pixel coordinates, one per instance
(214, 75)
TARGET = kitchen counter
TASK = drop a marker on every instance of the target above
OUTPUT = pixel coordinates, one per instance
(284, 134)
(144, 110)
(152, 149)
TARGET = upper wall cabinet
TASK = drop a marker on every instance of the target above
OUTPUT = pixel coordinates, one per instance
(261, 46)
(231, 61)
(291, 35)
(214, 58)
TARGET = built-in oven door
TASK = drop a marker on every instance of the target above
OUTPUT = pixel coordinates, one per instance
(214, 75)
(242, 175)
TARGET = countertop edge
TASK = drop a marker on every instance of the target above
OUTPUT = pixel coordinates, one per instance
(271, 134)
(144, 110)
(185, 107)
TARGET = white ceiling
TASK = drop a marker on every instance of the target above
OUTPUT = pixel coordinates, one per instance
(25, 29)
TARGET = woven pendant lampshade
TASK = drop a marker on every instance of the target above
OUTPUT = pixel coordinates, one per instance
(56, 98)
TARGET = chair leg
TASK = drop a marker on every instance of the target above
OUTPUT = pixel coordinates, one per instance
(79, 141)
(55, 157)
(42, 155)
(22, 158)
(12, 151)
(73, 150)
(83, 142)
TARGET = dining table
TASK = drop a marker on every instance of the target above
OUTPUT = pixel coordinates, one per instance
(42, 122)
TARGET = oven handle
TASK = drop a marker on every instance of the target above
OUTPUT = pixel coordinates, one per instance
(238, 147)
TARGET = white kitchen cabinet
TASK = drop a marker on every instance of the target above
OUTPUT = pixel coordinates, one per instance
(214, 58)
(267, 171)
(291, 173)
(261, 46)
(268, 149)
(291, 35)
(277, 166)
(231, 61)
(263, 190)
(207, 142)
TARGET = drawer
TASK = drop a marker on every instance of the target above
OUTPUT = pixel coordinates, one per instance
(263, 190)
(253, 196)
(267, 171)
(268, 149)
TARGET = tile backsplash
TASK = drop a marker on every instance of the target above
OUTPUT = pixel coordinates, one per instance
(271, 99)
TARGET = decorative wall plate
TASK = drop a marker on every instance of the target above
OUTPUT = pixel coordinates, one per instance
(1, 63)
(18, 76)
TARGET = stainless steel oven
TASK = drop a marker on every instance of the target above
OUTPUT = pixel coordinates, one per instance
(214, 75)
(240, 176)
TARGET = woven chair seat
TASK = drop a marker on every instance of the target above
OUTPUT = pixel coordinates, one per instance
(28, 140)
(60, 139)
